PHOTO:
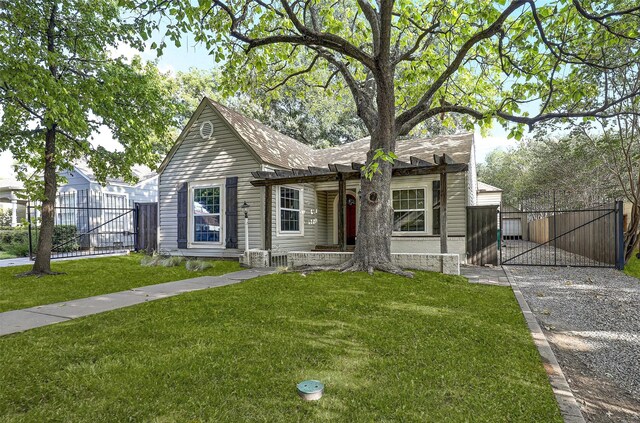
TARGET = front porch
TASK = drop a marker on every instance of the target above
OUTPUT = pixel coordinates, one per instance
(335, 193)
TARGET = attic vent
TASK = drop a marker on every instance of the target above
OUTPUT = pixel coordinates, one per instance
(206, 130)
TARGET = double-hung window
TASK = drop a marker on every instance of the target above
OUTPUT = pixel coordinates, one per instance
(290, 210)
(66, 208)
(409, 210)
(206, 214)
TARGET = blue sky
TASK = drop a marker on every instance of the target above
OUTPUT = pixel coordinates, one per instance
(188, 56)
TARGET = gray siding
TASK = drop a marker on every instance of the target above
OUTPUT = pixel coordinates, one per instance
(321, 217)
(198, 160)
(472, 178)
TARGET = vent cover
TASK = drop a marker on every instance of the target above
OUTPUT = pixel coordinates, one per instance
(206, 130)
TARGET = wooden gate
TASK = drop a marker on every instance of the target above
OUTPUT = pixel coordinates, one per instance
(482, 235)
(147, 227)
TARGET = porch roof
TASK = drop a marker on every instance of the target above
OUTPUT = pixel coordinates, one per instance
(335, 172)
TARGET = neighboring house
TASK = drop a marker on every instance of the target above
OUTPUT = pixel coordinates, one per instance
(514, 223)
(488, 195)
(221, 156)
(9, 200)
(93, 208)
(104, 212)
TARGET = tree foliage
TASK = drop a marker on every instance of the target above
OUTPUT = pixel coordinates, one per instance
(406, 61)
(300, 110)
(60, 84)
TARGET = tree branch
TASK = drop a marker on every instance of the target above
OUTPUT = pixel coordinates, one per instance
(424, 103)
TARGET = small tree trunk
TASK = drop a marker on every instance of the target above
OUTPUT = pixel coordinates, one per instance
(42, 265)
(631, 238)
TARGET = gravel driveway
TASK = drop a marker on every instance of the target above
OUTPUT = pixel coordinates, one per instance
(591, 318)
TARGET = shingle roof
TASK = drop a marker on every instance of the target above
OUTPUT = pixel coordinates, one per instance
(458, 146)
(140, 171)
(270, 145)
(280, 150)
(482, 187)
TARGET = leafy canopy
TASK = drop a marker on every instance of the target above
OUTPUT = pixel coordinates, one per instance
(482, 59)
(57, 71)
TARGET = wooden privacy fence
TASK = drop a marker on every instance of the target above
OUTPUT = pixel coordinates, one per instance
(482, 235)
(587, 233)
(147, 227)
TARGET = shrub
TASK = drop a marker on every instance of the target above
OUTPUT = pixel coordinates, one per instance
(11, 236)
(15, 241)
(170, 261)
(17, 249)
(66, 235)
(150, 261)
(198, 265)
(5, 218)
(161, 260)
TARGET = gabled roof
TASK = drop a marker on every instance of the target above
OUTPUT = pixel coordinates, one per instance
(458, 146)
(482, 187)
(142, 172)
(270, 145)
(274, 148)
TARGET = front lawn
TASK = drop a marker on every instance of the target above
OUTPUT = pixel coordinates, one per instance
(433, 348)
(6, 255)
(88, 277)
(633, 267)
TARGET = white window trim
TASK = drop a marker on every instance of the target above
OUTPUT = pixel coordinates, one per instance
(75, 210)
(206, 184)
(104, 204)
(412, 233)
(280, 232)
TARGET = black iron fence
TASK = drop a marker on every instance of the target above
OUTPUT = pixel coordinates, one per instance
(552, 230)
(91, 223)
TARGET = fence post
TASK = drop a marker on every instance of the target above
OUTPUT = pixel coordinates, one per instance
(619, 235)
(136, 226)
(30, 238)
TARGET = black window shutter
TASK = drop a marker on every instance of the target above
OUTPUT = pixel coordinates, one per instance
(183, 203)
(231, 212)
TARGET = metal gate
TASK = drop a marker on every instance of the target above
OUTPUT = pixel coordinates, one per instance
(557, 230)
(91, 223)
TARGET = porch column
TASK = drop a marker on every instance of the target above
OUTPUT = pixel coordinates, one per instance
(443, 213)
(14, 214)
(342, 211)
(268, 199)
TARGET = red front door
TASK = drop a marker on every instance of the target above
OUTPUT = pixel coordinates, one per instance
(351, 220)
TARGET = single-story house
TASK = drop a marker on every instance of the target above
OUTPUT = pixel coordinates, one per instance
(11, 202)
(223, 160)
(488, 195)
(103, 211)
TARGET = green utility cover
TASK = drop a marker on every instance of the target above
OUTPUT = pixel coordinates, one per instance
(310, 386)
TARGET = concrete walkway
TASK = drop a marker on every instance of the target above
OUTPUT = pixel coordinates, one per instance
(29, 318)
(493, 275)
(22, 261)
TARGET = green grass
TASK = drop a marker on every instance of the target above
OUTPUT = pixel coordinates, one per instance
(6, 255)
(633, 267)
(88, 277)
(433, 348)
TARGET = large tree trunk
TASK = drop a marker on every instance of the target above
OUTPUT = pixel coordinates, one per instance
(373, 243)
(42, 265)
